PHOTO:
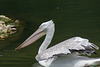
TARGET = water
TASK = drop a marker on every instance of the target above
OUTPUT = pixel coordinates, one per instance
(72, 18)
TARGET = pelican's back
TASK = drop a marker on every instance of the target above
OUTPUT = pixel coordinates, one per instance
(73, 45)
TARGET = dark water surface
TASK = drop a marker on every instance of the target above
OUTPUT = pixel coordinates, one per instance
(71, 17)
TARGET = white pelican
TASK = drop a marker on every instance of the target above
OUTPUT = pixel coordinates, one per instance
(69, 48)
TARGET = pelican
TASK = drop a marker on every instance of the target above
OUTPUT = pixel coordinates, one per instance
(70, 48)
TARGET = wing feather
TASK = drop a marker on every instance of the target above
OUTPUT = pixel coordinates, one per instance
(72, 45)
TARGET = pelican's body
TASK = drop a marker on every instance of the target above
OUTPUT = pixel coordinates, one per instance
(73, 61)
(72, 46)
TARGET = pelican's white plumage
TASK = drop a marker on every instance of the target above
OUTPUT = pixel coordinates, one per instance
(65, 47)
(72, 46)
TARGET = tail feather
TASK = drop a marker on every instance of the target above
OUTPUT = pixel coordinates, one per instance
(93, 45)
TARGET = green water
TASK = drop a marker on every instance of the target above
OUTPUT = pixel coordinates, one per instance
(71, 17)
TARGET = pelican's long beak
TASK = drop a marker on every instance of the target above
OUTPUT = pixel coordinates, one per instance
(35, 36)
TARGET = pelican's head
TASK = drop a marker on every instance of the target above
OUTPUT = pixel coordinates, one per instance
(42, 30)
(46, 25)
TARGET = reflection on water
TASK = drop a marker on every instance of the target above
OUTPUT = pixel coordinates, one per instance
(36, 65)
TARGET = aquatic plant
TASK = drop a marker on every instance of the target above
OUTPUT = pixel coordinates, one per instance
(7, 26)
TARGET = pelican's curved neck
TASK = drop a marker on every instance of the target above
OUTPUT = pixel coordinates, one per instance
(48, 38)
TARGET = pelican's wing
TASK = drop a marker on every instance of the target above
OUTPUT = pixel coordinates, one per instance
(73, 45)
